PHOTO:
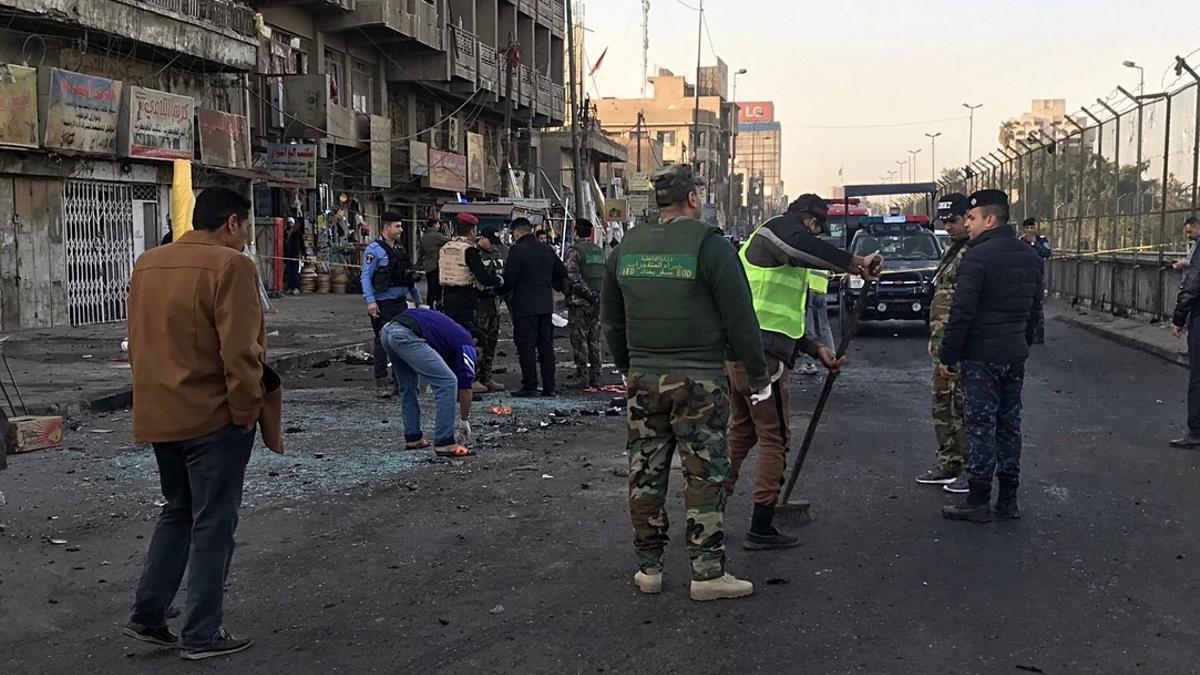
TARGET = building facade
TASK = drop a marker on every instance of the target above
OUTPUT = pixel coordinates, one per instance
(1044, 117)
(757, 190)
(667, 121)
(331, 111)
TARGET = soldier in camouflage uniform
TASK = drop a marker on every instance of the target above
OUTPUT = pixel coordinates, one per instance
(950, 470)
(487, 315)
(585, 274)
(675, 301)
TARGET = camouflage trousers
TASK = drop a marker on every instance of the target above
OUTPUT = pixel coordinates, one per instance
(992, 412)
(585, 337)
(669, 413)
(487, 319)
(948, 424)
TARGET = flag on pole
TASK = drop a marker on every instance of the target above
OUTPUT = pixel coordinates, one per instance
(598, 62)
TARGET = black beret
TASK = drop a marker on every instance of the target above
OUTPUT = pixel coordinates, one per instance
(988, 198)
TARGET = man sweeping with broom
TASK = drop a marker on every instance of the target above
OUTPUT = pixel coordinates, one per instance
(776, 259)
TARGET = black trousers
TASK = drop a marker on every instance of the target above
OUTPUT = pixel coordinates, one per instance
(534, 336)
(1193, 342)
(433, 290)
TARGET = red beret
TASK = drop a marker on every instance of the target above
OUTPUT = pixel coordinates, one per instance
(467, 219)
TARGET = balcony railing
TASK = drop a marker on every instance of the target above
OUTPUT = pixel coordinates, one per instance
(465, 46)
(528, 7)
(414, 19)
(528, 87)
(489, 69)
(544, 98)
(222, 14)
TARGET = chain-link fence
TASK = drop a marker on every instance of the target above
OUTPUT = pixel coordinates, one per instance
(1111, 191)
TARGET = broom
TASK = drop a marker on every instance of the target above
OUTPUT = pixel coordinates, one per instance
(801, 510)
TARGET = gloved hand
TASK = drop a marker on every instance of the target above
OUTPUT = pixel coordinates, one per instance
(760, 396)
(462, 431)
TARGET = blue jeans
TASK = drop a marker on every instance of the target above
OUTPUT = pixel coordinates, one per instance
(388, 310)
(412, 356)
(819, 327)
(992, 414)
(202, 483)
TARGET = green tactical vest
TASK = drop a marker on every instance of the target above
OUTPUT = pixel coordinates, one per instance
(818, 281)
(592, 264)
(780, 294)
(670, 315)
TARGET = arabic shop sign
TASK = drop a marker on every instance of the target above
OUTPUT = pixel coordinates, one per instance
(18, 106)
(224, 139)
(81, 112)
(295, 163)
(157, 125)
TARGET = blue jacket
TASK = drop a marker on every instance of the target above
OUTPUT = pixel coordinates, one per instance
(997, 299)
(451, 341)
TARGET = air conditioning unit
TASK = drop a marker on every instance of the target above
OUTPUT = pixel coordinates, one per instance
(275, 114)
(455, 141)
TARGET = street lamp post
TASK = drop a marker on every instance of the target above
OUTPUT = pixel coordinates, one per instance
(1141, 76)
(912, 165)
(733, 149)
(971, 130)
(933, 155)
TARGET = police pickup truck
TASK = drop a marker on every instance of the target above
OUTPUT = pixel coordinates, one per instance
(911, 255)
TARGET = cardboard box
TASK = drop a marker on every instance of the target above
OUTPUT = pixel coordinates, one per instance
(29, 433)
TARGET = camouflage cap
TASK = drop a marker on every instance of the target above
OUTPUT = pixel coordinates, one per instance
(673, 183)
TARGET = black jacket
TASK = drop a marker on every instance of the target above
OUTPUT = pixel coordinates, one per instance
(532, 273)
(1189, 293)
(997, 300)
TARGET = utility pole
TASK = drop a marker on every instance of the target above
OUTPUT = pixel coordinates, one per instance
(645, 44)
(638, 134)
(576, 177)
(696, 91)
(733, 144)
(511, 53)
(971, 131)
(933, 156)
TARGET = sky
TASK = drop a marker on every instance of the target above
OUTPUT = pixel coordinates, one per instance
(898, 70)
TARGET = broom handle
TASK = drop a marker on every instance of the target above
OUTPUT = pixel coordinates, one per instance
(847, 333)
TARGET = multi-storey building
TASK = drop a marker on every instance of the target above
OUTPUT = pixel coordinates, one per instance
(328, 110)
(757, 165)
(670, 119)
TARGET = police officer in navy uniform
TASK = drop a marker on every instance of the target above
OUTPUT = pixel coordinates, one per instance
(388, 282)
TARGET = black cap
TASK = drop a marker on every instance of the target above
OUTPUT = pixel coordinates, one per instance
(988, 198)
(391, 217)
(952, 206)
(811, 205)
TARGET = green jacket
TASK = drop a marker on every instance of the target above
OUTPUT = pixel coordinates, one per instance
(675, 299)
(943, 293)
(428, 247)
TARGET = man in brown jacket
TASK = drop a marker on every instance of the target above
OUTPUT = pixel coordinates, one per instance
(197, 348)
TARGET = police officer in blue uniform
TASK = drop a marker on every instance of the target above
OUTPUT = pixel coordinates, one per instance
(388, 282)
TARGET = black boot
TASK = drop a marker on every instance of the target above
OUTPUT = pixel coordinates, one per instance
(763, 535)
(1006, 501)
(975, 508)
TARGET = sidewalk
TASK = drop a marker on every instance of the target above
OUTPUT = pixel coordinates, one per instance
(69, 371)
(1140, 334)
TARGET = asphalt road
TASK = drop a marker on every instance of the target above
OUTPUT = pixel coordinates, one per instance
(354, 557)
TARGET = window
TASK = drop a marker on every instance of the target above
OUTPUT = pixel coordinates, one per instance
(333, 68)
(667, 138)
(362, 97)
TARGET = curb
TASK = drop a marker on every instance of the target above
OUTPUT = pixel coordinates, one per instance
(120, 399)
(1173, 356)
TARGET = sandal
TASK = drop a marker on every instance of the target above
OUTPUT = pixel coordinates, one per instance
(417, 445)
(454, 451)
